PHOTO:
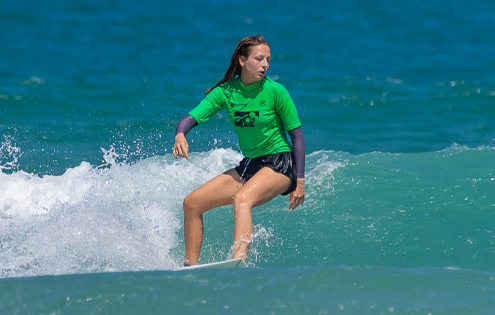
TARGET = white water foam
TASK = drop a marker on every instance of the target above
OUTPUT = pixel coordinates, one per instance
(321, 165)
(114, 217)
(9, 153)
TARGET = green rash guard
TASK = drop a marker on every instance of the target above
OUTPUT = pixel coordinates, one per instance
(260, 114)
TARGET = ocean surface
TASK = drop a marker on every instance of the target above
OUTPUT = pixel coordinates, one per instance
(397, 102)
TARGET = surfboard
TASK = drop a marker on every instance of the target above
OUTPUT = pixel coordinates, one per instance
(226, 264)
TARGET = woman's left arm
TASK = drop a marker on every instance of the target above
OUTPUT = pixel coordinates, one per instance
(298, 149)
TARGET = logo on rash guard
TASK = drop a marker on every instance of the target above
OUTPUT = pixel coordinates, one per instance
(245, 119)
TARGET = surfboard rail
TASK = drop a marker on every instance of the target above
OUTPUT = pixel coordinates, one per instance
(225, 264)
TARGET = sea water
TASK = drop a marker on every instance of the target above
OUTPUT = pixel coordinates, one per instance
(397, 102)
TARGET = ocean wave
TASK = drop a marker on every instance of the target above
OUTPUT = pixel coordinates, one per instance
(407, 209)
(115, 216)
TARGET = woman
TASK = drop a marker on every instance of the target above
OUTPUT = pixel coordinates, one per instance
(261, 112)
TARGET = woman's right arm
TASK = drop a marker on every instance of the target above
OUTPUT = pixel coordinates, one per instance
(209, 106)
(181, 147)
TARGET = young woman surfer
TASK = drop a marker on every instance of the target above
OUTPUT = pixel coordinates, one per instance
(261, 111)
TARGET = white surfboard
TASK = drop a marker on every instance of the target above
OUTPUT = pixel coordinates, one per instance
(226, 264)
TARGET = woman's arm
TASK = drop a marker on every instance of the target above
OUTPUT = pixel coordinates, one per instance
(186, 124)
(181, 147)
(299, 152)
(298, 148)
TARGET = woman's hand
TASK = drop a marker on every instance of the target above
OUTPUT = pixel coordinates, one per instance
(180, 147)
(297, 196)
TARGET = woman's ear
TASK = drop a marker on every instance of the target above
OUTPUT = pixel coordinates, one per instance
(242, 61)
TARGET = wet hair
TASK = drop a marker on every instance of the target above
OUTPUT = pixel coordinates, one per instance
(243, 49)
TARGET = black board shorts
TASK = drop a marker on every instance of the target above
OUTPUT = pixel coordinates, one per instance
(282, 162)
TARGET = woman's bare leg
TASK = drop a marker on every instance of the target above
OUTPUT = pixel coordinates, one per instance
(217, 192)
(265, 185)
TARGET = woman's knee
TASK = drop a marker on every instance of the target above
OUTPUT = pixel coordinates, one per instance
(241, 202)
(191, 205)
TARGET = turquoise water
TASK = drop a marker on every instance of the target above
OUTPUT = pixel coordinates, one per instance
(397, 104)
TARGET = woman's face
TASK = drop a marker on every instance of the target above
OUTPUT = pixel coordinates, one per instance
(254, 67)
